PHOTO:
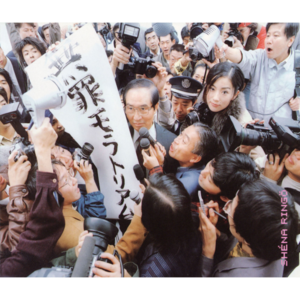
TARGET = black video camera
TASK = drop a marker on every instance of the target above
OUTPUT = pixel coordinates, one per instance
(83, 153)
(283, 138)
(195, 30)
(141, 66)
(195, 55)
(105, 32)
(12, 113)
(23, 147)
(233, 32)
(104, 234)
(201, 113)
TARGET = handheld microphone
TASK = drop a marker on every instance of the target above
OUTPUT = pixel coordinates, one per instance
(144, 133)
(162, 28)
(139, 174)
(145, 144)
(134, 196)
(85, 257)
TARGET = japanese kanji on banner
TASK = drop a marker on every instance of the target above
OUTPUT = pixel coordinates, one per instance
(93, 113)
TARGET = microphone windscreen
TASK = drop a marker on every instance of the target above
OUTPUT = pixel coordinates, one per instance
(139, 173)
(85, 258)
(144, 143)
(143, 132)
(162, 29)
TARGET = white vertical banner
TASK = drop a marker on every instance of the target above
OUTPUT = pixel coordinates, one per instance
(93, 113)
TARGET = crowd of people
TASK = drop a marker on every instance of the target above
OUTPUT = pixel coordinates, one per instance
(205, 211)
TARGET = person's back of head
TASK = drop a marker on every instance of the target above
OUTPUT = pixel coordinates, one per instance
(166, 213)
(265, 217)
(231, 170)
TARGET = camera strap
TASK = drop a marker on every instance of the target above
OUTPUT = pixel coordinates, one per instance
(295, 114)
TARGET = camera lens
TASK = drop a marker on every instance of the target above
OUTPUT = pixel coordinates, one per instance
(151, 71)
(87, 149)
(192, 118)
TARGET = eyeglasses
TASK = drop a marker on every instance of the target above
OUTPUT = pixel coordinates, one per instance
(143, 110)
(68, 180)
(227, 208)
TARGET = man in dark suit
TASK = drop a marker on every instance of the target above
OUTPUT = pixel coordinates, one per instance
(12, 66)
(152, 43)
(141, 102)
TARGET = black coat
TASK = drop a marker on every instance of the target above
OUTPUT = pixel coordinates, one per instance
(21, 76)
(165, 138)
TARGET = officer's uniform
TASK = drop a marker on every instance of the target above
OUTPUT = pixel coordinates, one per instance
(183, 87)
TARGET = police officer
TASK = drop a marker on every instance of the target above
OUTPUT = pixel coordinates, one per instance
(185, 91)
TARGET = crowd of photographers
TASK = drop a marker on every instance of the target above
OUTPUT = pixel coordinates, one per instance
(214, 122)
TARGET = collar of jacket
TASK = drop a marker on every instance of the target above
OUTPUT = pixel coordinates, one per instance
(70, 212)
(271, 268)
(235, 109)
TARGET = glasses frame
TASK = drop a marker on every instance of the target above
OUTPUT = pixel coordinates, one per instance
(138, 109)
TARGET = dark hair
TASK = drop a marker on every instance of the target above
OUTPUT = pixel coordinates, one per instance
(200, 65)
(184, 32)
(3, 93)
(109, 53)
(39, 45)
(149, 30)
(116, 26)
(31, 180)
(18, 25)
(166, 213)
(231, 170)
(253, 27)
(207, 144)
(171, 36)
(225, 69)
(142, 83)
(290, 29)
(258, 219)
(177, 47)
(46, 26)
(6, 75)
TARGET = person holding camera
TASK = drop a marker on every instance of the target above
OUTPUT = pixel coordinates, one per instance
(254, 35)
(271, 72)
(46, 221)
(185, 91)
(262, 236)
(21, 198)
(285, 172)
(93, 206)
(90, 203)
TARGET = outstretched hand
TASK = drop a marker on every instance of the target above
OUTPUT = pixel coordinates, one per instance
(104, 269)
(18, 171)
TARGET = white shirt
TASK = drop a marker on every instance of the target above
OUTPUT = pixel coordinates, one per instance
(10, 69)
(136, 135)
(272, 84)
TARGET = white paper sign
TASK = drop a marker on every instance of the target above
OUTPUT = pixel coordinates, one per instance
(94, 114)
